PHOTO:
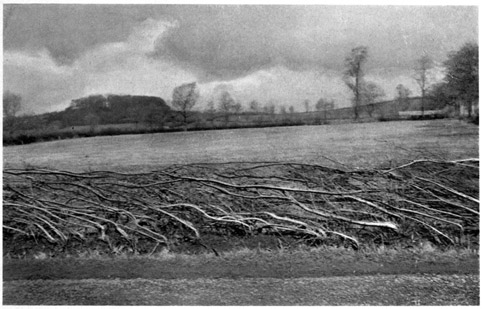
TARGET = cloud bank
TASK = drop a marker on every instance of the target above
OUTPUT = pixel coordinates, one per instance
(285, 54)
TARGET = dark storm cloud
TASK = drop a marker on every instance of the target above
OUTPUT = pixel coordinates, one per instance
(54, 53)
(227, 42)
(223, 42)
(66, 31)
(69, 30)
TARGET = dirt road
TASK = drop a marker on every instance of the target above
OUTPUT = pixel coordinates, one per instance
(359, 290)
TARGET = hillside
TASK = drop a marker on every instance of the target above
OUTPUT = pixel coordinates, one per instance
(99, 110)
(125, 114)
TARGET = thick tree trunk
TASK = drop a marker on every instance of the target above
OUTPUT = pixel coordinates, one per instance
(357, 92)
(184, 115)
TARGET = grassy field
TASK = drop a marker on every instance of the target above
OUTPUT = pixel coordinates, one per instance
(356, 145)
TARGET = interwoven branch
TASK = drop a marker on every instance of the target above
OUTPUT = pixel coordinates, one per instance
(424, 199)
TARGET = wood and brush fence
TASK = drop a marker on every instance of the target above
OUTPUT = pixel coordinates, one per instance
(423, 200)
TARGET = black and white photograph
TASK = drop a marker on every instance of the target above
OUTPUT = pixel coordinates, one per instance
(245, 154)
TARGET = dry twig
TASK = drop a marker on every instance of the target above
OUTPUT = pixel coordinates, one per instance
(427, 199)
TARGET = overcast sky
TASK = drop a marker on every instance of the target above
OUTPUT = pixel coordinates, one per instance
(284, 54)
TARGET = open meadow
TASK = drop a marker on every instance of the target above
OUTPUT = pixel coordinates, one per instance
(355, 145)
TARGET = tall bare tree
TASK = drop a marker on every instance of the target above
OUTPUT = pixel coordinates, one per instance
(371, 93)
(320, 105)
(210, 108)
(402, 92)
(12, 104)
(353, 75)
(184, 98)
(402, 96)
(422, 67)
(324, 105)
(254, 106)
(237, 107)
(211, 111)
(226, 105)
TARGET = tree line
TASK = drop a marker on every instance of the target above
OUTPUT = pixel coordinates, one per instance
(458, 88)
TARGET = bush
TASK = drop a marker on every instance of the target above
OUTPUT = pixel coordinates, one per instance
(19, 140)
(474, 120)
(428, 117)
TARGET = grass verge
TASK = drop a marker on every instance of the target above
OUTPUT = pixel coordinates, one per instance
(248, 263)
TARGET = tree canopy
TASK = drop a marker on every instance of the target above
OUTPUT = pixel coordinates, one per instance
(353, 75)
(462, 74)
(371, 92)
(12, 103)
(11, 106)
(184, 98)
(423, 65)
(324, 104)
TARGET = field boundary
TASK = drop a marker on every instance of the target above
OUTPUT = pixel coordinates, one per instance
(248, 263)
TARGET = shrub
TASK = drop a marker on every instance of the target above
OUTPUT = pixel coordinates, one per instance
(474, 119)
